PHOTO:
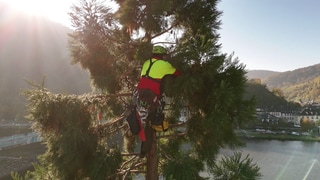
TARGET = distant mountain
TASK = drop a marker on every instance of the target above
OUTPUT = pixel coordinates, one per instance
(300, 85)
(30, 48)
(294, 77)
(261, 74)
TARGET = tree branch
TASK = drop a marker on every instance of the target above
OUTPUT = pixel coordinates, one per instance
(165, 31)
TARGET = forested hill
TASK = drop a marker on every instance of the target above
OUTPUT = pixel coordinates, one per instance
(300, 85)
(33, 47)
(294, 77)
(267, 100)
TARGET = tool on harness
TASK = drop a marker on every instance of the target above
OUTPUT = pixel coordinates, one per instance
(159, 123)
(153, 111)
(133, 121)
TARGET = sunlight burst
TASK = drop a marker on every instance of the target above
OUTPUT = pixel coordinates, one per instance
(55, 10)
(36, 7)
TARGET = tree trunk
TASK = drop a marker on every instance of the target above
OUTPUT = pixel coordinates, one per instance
(152, 159)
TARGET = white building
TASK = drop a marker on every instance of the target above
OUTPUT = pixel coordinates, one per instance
(310, 112)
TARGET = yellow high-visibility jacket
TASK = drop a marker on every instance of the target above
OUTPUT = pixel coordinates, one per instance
(151, 76)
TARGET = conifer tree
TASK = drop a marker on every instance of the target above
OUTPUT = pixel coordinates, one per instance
(236, 167)
(111, 44)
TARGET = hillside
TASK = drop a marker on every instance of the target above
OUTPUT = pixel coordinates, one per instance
(33, 47)
(294, 77)
(267, 100)
(300, 85)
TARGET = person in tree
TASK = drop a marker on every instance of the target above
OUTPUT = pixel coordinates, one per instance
(149, 91)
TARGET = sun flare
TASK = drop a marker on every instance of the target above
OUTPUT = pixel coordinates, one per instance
(36, 7)
(55, 10)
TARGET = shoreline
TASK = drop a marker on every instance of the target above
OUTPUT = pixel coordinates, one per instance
(247, 134)
(19, 159)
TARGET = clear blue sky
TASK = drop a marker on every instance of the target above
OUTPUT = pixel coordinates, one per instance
(277, 35)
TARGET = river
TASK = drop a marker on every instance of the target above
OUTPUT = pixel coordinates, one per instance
(284, 160)
(19, 139)
(278, 160)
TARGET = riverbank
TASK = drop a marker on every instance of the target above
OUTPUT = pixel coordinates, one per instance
(10, 130)
(247, 134)
(19, 159)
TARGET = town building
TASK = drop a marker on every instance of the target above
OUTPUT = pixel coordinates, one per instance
(310, 112)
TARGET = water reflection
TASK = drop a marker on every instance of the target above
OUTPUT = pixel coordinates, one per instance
(284, 159)
(19, 139)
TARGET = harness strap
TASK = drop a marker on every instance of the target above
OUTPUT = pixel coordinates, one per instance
(148, 71)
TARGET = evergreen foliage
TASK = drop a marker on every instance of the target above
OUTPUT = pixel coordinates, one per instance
(70, 133)
(112, 47)
(235, 167)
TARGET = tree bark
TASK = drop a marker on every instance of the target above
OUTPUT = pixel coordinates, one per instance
(152, 159)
